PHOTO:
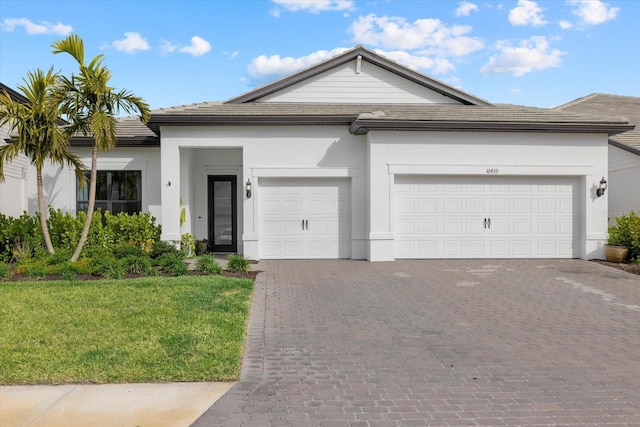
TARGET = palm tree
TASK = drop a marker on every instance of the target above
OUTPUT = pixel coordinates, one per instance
(90, 105)
(38, 134)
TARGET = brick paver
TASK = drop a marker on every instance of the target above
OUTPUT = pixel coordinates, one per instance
(439, 343)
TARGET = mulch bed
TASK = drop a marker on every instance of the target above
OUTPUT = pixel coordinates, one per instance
(629, 268)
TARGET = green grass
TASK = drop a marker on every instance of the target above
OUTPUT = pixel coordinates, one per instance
(113, 331)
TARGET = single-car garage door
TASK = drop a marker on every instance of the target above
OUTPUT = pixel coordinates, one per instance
(305, 218)
(486, 217)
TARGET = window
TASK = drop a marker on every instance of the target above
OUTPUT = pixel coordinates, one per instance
(116, 191)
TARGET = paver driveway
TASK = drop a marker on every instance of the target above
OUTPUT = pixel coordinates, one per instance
(412, 343)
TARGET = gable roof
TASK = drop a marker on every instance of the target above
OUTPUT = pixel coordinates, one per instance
(611, 105)
(365, 55)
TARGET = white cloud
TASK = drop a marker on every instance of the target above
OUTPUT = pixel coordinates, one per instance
(418, 62)
(565, 25)
(131, 43)
(167, 47)
(530, 55)
(198, 47)
(31, 28)
(593, 12)
(272, 66)
(429, 34)
(313, 6)
(275, 12)
(527, 12)
(466, 8)
(264, 67)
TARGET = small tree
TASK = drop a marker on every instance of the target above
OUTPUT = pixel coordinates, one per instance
(91, 105)
(38, 134)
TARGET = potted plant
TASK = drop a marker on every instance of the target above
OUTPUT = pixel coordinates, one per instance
(621, 237)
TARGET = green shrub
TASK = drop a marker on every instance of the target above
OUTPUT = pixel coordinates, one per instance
(138, 229)
(173, 264)
(83, 266)
(626, 232)
(64, 229)
(160, 248)
(237, 263)
(108, 268)
(207, 264)
(112, 270)
(136, 264)
(68, 271)
(20, 237)
(95, 253)
(34, 270)
(61, 256)
(125, 251)
(5, 270)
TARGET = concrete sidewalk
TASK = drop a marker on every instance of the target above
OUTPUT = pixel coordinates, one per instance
(117, 405)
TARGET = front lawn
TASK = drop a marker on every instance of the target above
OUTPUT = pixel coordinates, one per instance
(188, 328)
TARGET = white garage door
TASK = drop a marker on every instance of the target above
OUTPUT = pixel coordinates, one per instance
(486, 217)
(305, 218)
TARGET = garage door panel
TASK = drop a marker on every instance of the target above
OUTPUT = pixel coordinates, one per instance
(304, 218)
(292, 207)
(530, 217)
(500, 226)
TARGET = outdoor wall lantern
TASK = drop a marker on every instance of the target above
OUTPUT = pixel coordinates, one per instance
(169, 184)
(247, 186)
(602, 187)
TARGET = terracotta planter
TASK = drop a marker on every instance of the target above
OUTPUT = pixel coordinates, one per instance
(615, 253)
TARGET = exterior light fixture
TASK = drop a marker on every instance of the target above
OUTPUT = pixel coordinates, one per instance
(169, 184)
(602, 187)
(247, 187)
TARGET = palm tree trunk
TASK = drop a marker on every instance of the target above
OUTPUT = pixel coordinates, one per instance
(43, 212)
(91, 205)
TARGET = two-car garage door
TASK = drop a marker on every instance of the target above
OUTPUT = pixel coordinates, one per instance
(486, 217)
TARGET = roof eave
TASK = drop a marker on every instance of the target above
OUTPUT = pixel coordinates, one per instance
(625, 147)
(123, 141)
(362, 127)
(228, 120)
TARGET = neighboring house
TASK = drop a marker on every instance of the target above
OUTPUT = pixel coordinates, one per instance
(359, 157)
(13, 191)
(624, 148)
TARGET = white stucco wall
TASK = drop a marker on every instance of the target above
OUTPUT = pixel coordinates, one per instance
(13, 191)
(60, 184)
(452, 153)
(321, 151)
(623, 189)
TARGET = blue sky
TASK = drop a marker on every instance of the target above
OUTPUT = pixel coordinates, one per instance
(538, 53)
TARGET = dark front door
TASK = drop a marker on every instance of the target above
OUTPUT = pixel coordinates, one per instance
(223, 214)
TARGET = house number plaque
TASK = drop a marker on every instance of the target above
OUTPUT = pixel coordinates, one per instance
(492, 171)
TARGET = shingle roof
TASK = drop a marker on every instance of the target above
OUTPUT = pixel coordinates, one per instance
(131, 132)
(611, 105)
(363, 117)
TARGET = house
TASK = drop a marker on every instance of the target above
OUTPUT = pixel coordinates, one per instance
(624, 148)
(359, 157)
(13, 191)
